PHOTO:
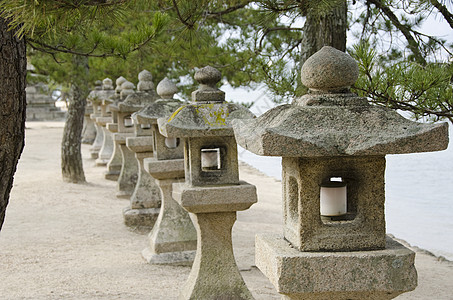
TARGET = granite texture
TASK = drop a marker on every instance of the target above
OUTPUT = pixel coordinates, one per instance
(329, 69)
(214, 273)
(355, 275)
(224, 198)
(303, 226)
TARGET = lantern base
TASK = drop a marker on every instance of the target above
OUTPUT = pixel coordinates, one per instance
(143, 217)
(178, 258)
(378, 274)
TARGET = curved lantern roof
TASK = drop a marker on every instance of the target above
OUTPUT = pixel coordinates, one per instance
(162, 107)
(208, 115)
(331, 121)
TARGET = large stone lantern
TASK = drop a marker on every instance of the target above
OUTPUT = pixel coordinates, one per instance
(333, 146)
(173, 239)
(212, 192)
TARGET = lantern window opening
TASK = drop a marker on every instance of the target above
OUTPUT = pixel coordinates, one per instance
(128, 121)
(334, 200)
(211, 159)
(172, 143)
(145, 126)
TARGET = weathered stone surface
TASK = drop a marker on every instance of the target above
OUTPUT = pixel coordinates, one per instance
(166, 89)
(329, 69)
(140, 143)
(210, 199)
(328, 130)
(214, 273)
(164, 169)
(146, 193)
(303, 227)
(129, 167)
(203, 119)
(114, 164)
(88, 131)
(380, 274)
(208, 77)
(173, 239)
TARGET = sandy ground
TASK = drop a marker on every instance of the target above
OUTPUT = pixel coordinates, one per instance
(67, 241)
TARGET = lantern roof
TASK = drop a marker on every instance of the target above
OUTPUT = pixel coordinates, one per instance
(208, 114)
(332, 121)
(163, 107)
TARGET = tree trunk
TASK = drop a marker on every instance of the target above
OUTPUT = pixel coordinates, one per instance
(71, 155)
(326, 29)
(13, 70)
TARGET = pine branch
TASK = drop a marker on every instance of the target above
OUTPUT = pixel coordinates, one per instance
(444, 11)
(405, 30)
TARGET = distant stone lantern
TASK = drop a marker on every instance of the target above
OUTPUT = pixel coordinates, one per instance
(332, 139)
(127, 178)
(105, 153)
(145, 201)
(173, 239)
(95, 100)
(212, 192)
(114, 164)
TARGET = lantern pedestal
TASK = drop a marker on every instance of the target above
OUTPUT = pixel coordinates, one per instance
(129, 168)
(214, 273)
(105, 153)
(173, 239)
(145, 200)
(114, 164)
(97, 144)
(379, 274)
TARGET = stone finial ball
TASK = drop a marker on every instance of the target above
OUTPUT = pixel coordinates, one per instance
(120, 80)
(107, 84)
(329, 69)
(127, 85)
(208, 76)
(145, 75)
(166, 88)
(98, 85)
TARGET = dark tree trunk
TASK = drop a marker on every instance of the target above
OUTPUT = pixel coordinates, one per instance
(13, 70)
(71, 155)
(327, 29)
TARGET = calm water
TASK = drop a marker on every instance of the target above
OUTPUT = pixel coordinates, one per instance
(419, 196)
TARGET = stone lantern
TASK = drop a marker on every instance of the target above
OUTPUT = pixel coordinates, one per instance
(114, 164)
(95, 100)
(145, 200)
(173, 239)
(89, 129)
(212, 192)
(106, 150)
(128, 174)
(333, 146)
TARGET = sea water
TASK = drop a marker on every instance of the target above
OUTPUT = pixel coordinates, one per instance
(419, 196)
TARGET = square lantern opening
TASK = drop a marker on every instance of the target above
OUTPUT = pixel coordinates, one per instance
(172, 143)
(128, 121)
(333, 200)
(211, 159)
